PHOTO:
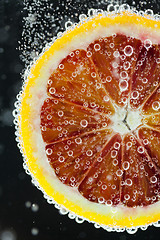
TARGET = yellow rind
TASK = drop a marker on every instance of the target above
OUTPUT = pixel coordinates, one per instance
(126, 219)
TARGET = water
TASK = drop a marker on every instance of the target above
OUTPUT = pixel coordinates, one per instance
(43, 25)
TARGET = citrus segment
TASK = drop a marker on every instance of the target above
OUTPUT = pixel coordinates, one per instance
(60, 119)
(146, 75)
(137, 187)
(153, 121)
(151, 141)
(152, 105)
(75, 80)
(115, 58)
(102, 183)
(72, 158)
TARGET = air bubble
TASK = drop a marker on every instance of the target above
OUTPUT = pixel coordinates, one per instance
(110, 8)
(153, 179)
(61, 66)
(79, 220)
(109, 203)
(52, 90)
(149, 12)
(156, 105)
(115, 162)
(135, 94)
(126, 65)
(147, 43)
(34, 231)
(101, 200)
(113, 153)
(126, 197)
(158, 60)
(89, 54)
(48, 151)
(72, 179)
(99, 159)
(35, 207)
(70, 153)
(82, 17)
(61, 159)
(109, 79)
(115, 65)
(124, 74)
(91, 12)
(125, 165)
(119, 173)
(128, 182)
(144, 80)
(117, 145)
(140, 149)
(145, 141)
(84, 123)
(68, 25)
(106, 98)
(28, 204)
(116, 54)
(131, 230)
(60, 113)
(89, 153)
(125, 7)
(123, 85)
(78, 140)
(97, 47)
(128, 50)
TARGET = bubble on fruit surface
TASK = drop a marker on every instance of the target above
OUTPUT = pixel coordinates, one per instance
(156, 105)
(89, 153)
(97, 47)
(134, 94)
(84, 123)
(106, 98)
(148, 43)
(153, 179)
(125, 165)
(126, 65)
(128, 50)
(123, 85)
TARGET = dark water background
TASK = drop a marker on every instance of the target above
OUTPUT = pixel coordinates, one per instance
(24, 213)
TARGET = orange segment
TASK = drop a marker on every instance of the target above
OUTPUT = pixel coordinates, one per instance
(102, 183)
(153, 121)
(115, 58)
(72, 158)
(151, 141)
(60, 119)
(152, 105)
(146, 75)
(76, 81)
(137, 186)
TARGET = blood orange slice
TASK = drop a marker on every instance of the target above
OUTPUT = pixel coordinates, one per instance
(89, 120)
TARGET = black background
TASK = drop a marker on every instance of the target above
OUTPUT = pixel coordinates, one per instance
(16, 220)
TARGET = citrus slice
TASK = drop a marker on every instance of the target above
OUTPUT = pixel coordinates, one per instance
(89, 120)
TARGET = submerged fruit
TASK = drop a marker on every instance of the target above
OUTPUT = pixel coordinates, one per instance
(89, 120)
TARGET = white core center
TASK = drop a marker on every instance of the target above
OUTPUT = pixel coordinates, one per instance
(125, 121)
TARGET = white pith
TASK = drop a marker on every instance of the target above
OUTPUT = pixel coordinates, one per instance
(132, 120)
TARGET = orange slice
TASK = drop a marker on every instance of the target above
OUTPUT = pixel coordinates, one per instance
(89, 121)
